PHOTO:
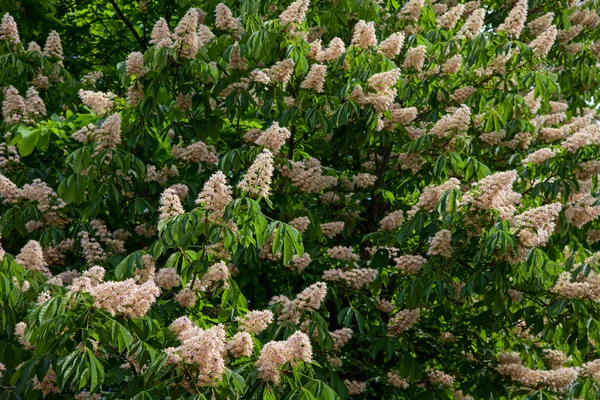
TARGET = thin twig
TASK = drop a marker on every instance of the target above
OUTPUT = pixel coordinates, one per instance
(128, 24)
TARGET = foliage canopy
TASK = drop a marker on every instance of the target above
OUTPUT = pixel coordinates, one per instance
(275, 200)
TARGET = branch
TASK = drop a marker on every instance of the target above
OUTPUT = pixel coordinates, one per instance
(203, 250)
(291, 143)
(375, 207)
(128, 23)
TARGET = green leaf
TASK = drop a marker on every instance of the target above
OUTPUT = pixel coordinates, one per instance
(380, 259)
(157, 249)
(261, 228)
(238, 381)
(327, 392)
(65, 368)
(66, 189)
(154, 370)
(48, 310)
(28, 139)
(143, 396)
(498, 304)
(122, 268)
(277, 242)
(42, 367)
(120, 336)
(43, 139)
(288, 247)
(93, 371)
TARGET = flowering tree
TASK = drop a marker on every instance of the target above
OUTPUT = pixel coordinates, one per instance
(297, 201)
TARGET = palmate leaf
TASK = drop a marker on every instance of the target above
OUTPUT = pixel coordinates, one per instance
(66, 368)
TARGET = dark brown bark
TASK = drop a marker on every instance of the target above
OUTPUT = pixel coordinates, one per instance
(376, 207)
(291, 143)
